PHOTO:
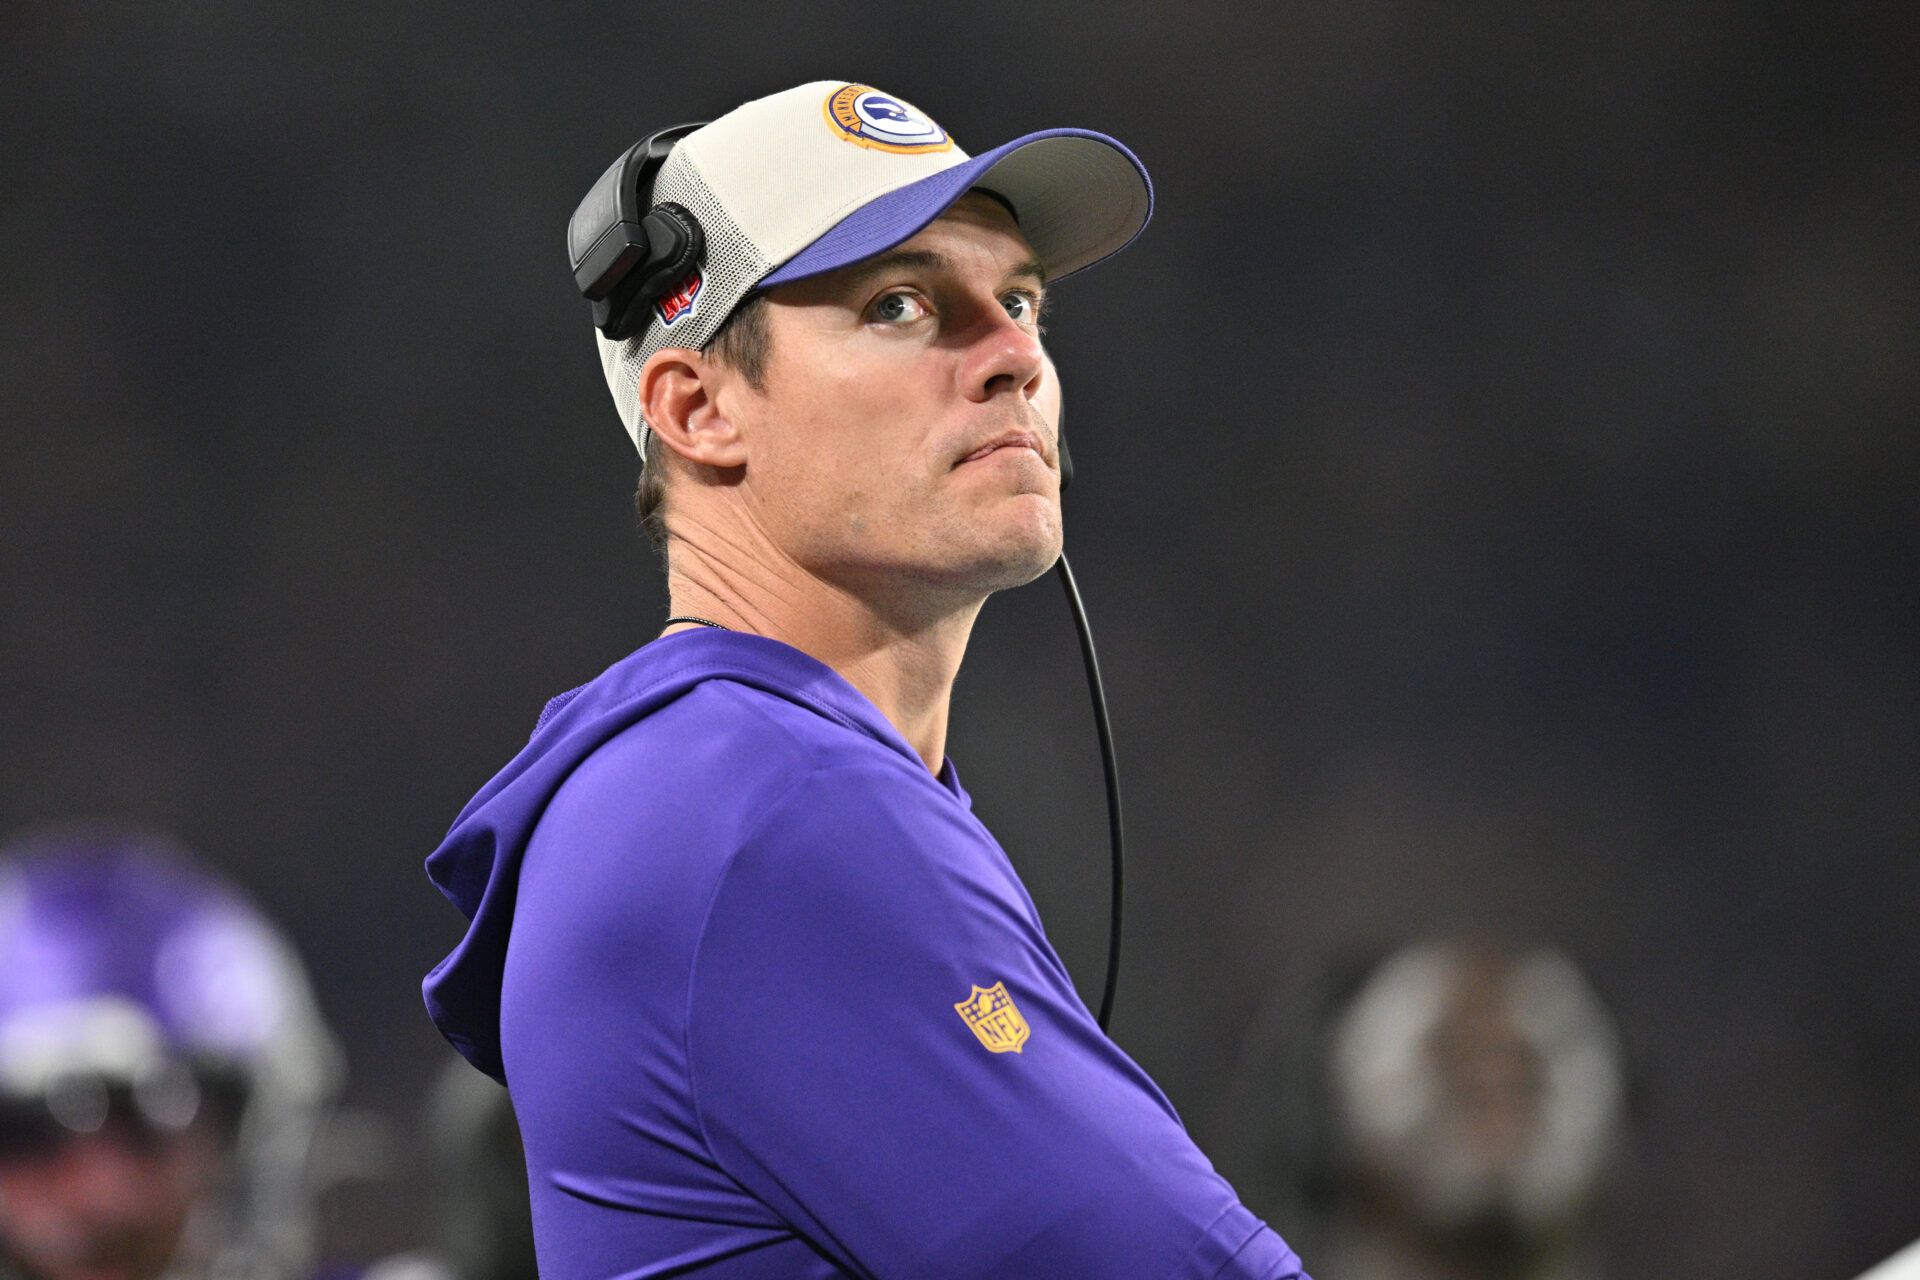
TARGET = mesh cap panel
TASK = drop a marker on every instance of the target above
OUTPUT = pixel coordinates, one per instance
(729, 270)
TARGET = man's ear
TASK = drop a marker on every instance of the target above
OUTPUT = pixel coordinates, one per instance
(679, 395)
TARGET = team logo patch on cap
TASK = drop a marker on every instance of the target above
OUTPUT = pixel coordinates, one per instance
(862, 114)
(994, 1019)
(679, 304)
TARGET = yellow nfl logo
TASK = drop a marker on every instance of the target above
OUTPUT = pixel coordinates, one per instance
(990, 1012)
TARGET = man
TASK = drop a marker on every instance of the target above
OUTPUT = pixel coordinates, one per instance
(769, 999)
(162, 1069)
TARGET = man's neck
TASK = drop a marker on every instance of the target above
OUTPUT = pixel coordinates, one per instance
(905, 662)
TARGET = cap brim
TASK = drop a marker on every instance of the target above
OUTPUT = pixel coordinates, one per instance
(1079, 196)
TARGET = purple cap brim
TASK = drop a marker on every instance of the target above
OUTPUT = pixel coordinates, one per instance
(1079, 196)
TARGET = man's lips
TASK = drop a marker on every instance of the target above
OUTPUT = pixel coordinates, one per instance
(1006, 440)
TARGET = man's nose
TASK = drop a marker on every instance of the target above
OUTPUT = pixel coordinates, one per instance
(1004, 357)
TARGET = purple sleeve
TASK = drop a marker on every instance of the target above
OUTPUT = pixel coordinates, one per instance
(885, 1050)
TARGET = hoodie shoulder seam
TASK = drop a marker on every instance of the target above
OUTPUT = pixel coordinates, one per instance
(715, 671)
(710, 670)
(742, 694)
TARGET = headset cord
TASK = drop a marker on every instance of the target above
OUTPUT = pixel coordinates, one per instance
(1112, 768)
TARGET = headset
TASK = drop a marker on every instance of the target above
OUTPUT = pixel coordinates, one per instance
(627, 256)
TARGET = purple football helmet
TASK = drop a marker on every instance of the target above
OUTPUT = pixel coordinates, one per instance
(138, 990)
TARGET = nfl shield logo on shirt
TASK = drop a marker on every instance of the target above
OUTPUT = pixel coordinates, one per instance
(994, 1019)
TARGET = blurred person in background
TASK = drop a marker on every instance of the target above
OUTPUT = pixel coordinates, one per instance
(1452, 1113)
(483, 1220)
(1476, 1096)
(162, 1069)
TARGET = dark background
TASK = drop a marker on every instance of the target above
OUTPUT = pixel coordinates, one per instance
(1498, 472)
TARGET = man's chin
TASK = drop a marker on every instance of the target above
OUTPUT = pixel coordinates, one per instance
(1017, 560)
(976, 571)
(965, 557)
(137, 1260)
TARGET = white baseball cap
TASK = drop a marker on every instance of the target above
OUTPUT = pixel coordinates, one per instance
(831, 173)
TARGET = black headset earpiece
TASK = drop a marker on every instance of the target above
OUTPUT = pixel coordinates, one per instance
(625, 255)
(1060, 441)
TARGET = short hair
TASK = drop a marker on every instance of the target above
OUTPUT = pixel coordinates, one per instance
(744, 342)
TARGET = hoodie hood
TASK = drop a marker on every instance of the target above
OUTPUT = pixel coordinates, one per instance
(477, 866)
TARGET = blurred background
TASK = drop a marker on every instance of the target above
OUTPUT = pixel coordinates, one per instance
(1498, 468)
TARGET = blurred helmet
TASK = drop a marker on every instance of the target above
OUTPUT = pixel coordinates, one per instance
(138, 990)
(1477, 1088)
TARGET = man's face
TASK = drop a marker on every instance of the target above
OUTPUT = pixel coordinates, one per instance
(905, 446)
(104, 1206)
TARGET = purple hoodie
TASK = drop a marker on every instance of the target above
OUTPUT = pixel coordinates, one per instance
(773, 1003)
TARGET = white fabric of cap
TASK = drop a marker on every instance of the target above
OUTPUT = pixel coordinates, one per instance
(771, 177)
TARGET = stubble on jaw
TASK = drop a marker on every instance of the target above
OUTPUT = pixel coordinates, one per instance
(950, 536)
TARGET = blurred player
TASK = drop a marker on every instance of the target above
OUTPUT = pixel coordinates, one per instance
(1474, 1099)
(482, 1225)
(771, 1001)
(162, 1067)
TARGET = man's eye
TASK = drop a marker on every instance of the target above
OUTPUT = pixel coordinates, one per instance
(1022, 306)
(897, 308)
